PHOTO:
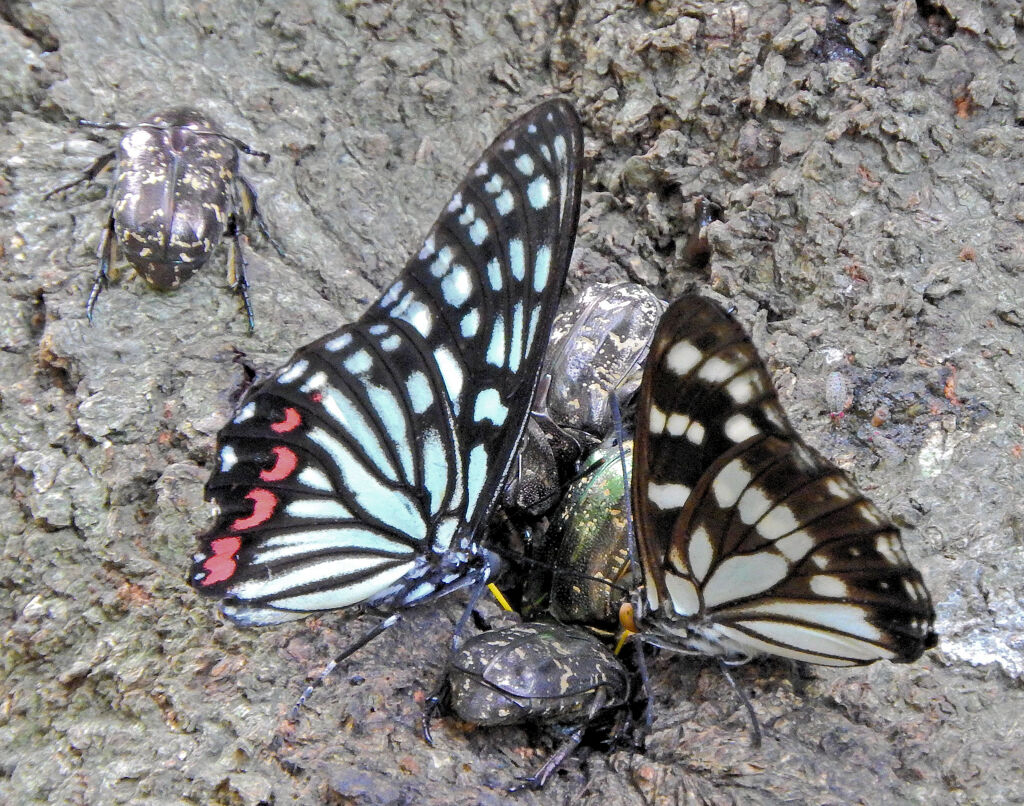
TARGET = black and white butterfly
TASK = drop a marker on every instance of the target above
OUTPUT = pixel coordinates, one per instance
(749, 541)
(361, 471)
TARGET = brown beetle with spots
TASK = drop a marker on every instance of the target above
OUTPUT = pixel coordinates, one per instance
(178, 191)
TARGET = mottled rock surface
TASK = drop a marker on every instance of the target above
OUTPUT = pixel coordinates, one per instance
(867, 159)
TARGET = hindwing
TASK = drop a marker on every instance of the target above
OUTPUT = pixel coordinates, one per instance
(750, 541)
(361, 470)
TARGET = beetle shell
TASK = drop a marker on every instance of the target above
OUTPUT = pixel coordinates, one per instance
(586, 544)
(174, 192)
(534, 673)
(598, 346)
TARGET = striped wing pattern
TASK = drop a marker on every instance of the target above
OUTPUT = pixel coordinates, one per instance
(361, 470)
(750, 541)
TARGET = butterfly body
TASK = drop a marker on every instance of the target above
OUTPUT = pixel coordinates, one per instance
(362, 470)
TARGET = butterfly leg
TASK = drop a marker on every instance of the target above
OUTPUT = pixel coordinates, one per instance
(434, 703)
(755, 725)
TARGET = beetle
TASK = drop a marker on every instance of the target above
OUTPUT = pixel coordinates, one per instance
(177, 193)
(536, 672)
(586, 549)
(597, 349)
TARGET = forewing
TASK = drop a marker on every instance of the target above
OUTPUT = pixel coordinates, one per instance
(773, 549)
(361, 470)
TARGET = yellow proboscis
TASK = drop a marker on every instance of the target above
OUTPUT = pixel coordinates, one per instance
(497, 594)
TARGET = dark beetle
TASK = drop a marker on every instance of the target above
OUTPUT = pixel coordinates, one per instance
(598, 345)
(178, 191)
(536, 673)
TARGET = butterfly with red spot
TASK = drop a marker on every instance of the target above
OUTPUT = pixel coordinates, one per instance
(362, 470)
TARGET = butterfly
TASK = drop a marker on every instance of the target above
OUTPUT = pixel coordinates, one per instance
(749, 541)
(361, 471)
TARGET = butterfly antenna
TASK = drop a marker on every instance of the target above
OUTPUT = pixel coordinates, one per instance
(755, 725)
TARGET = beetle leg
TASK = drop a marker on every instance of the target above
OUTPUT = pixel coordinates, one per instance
(539, 778)
(251, 212)
(102, 273)
(91, 173)
(236, 272)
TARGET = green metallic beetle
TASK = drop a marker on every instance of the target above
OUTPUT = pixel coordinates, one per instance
(177, 193)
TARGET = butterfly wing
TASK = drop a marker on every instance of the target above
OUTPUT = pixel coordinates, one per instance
(750, 541)
(361, 470)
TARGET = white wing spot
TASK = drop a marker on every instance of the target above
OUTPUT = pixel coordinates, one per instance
(794, 547)
(685, 600)
(496, 348)
(539, 192)
(730, 483)
(488, 406)
(515, 350)
(439, 268)
(524, 162)
(701, 552)
(494, 274)
(467, 215)
(457, 286)
(228, 458)
(315, 479)
(428, 248)
(419, 391)
(828, 586)
(509, 145)
(667, 496)
(338, 343)
(780, 521)
(451, 374)
(494, 184)
(391, 343)
(478, 231)
(247, 412)
(504, 204)
(715, 370)
(887, 546)
(656, 420)
(743, 388)
(740, 577)
(739, 428)
(677, 424)
(470, 324)
(481, 169)
(542, 266)
(358, 363)
(516, 258)
(560, 146)
(455, 203)
(752, 506)
(291, 373)
(682, 357)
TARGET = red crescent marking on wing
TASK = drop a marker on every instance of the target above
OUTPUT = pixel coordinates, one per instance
(317, 397)
(263, 505)
(222, 564)
(284, 464)
(291, 421)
